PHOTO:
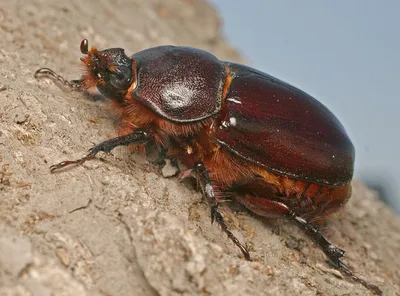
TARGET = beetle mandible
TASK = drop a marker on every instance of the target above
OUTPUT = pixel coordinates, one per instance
(273, 147)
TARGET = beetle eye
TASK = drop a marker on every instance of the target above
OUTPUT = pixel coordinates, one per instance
(121, 78)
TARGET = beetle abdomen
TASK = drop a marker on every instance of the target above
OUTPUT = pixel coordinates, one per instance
(314, 203)
(283, 129)
(252, 182)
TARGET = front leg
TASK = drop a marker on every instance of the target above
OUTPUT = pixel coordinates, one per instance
(139, 136)
(73, 84)
(208, 192)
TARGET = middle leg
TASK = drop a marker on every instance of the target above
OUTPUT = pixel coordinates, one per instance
(208, 192)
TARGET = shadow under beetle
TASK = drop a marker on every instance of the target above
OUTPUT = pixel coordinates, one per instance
(272, 147)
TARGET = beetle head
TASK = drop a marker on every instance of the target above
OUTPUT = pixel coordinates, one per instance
(110, 70)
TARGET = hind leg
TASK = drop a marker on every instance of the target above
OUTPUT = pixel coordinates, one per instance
(266, 207)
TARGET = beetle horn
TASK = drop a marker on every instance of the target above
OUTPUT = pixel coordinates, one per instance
(85, 46)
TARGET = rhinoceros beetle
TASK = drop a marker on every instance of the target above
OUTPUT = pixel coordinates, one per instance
(269, 145)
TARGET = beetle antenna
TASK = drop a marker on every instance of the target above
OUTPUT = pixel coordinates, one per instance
(46, 72)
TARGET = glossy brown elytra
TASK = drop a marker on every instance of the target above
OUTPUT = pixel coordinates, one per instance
(272, 147)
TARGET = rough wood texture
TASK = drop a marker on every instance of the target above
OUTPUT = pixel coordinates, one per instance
(118, 227)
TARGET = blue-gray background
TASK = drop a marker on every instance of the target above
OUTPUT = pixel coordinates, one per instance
(344, 53)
